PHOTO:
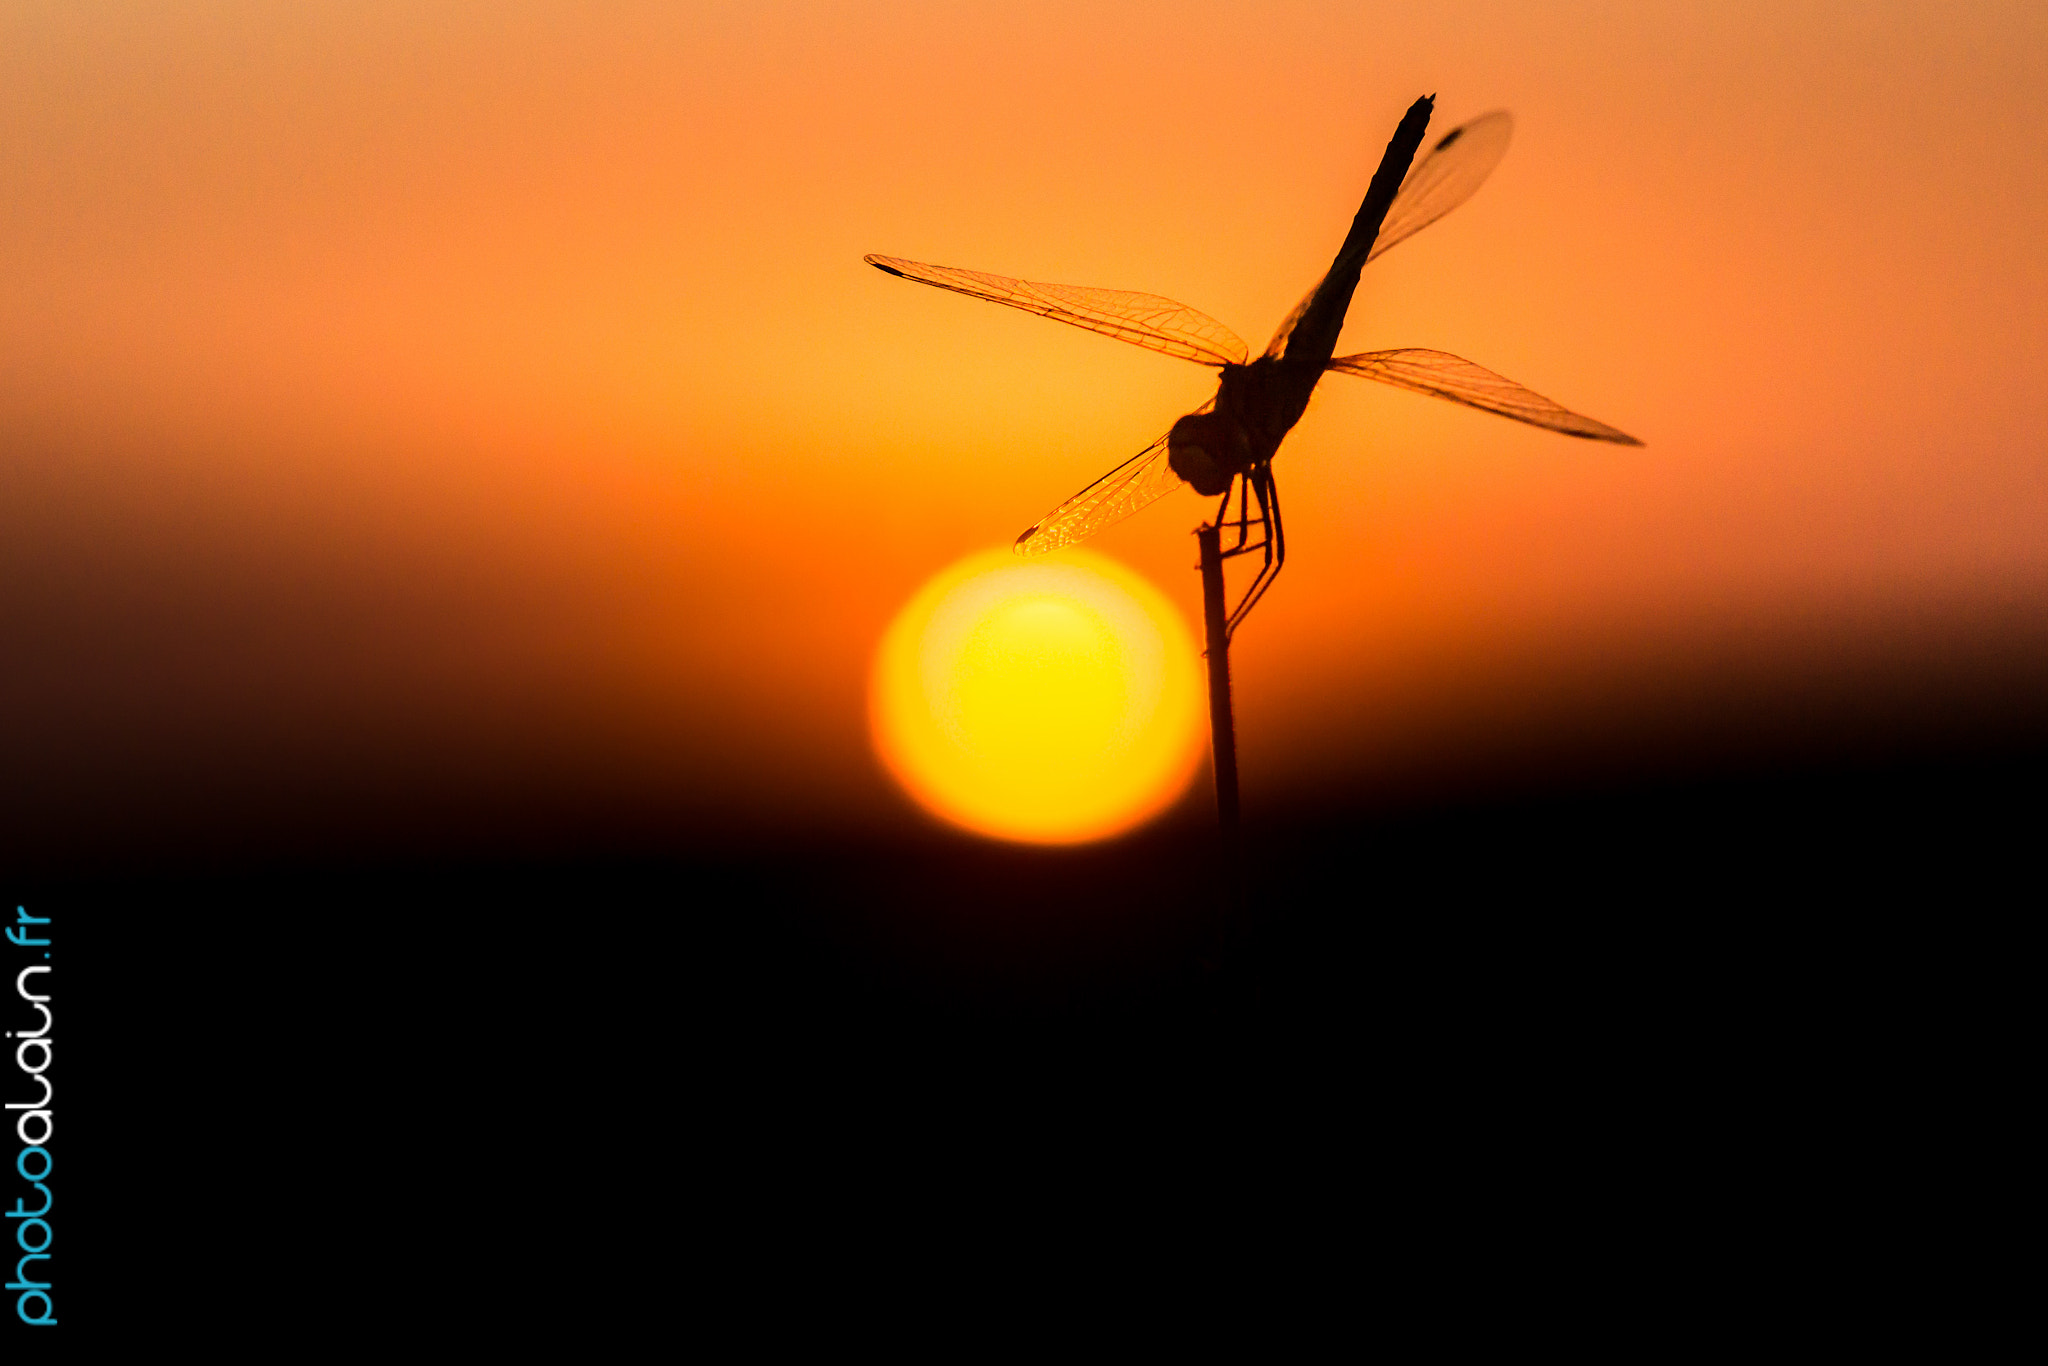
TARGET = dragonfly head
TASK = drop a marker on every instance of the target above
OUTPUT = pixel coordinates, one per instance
(1208, 450)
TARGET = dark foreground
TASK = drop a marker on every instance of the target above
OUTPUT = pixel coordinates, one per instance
(263, 1070)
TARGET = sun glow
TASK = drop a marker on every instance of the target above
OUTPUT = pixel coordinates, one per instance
(1050, 702)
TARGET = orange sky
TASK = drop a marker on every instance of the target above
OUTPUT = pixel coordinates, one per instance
(497, 390)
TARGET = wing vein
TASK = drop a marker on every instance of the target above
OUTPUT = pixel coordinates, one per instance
(1147, 320)
(1443, 375)
(1140, 481)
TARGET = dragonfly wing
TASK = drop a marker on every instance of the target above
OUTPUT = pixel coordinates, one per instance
(1446, 178)
(1444, 375)
(1145, 320)
(1143, 479)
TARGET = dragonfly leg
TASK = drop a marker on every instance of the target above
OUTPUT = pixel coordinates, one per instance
(1242, 487)
(1274, 531)
(1240, 524)
(1262, 484)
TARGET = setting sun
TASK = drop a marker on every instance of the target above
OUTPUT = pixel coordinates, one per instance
(1051, 703)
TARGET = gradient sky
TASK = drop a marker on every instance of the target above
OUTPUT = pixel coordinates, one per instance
(451, 403)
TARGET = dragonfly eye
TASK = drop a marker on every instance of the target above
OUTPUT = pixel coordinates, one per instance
(1198, 467)
(1197, 449)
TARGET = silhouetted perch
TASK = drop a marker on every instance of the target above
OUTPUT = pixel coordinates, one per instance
(1216, 647)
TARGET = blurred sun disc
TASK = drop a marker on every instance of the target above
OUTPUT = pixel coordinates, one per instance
(1045, 701)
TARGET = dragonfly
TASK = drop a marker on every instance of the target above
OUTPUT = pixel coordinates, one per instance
(1226, 447)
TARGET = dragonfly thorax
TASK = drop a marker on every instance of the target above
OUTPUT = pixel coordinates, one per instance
(1255, 406)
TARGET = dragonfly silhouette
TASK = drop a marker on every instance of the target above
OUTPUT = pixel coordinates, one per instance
(1228, 443)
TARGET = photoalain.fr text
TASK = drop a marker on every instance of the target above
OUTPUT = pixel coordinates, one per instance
(35, 1123)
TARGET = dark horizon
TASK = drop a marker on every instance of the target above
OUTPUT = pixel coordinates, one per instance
(188, 776)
